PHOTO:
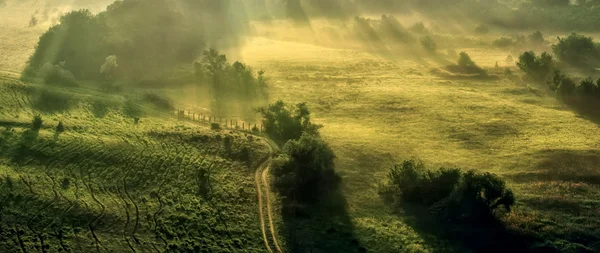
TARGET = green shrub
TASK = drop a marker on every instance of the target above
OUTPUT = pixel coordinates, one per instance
(159, 102)
(36, 123)
(503, 42)
(449, 193)
(562, 83)
(283, 123)
(132, 109)
(57, 75)
(428, 44)
(577, 50)
(465, 65)
(539, 68)
(60, 127)
(418, 27)
(52, 101)
(215, 126)
(304, 169)
(100, 108)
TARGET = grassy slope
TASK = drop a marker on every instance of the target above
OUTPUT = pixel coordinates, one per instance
(378, 112)
(116, 176)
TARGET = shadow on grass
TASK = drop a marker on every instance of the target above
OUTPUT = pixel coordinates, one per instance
(323, 226)
(481, 236)
(586, 107)
(564, 165)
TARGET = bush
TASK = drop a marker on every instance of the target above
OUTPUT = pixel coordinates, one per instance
(588, 87)
(100, 108)
(215, 126)
(503, 42)
(577, 50)
(418, 27)
(57, 75)
(538, 68)
(562, 83)
(448, 193)
(428, 44)
(36, 123)
(159, 102)
(132, 109)
(304, 169)
(283, 123)
(60, 127)
(465, 65)
(53, 101)
(536, 39)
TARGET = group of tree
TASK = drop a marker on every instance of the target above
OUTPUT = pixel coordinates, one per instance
(533, 40)
(304, 168)
(574, 51)
(465, 65)
(449, 193)
(231, 82)
(145, 37)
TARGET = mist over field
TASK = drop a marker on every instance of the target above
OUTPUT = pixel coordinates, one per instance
(299, 126)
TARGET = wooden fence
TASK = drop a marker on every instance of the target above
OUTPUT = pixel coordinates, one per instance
(226, 123)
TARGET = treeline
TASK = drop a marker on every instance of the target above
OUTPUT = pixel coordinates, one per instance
(304, 169)
(146, 37)
(574, 51)
(231, 82)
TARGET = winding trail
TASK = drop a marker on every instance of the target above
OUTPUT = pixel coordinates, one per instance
(261, 179)
(260, 204)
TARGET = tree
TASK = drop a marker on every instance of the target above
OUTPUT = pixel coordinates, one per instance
(60, 127)
(36, 123)
(448, 192)
(109, 68)
(428, 44)
(304, 168)
(538, 68)
(577, 50)
(283, 123)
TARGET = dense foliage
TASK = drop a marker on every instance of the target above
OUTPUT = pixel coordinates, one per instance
(539, 68)
(578, 51)
(228, 82)
(134, 39)
(449, 193)
(304, 169)
(283, 123)
(465, 65)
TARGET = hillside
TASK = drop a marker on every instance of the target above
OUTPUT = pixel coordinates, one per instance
(108, 184)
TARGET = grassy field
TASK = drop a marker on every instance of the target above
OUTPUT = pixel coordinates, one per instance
(109, 184)
(377, 112)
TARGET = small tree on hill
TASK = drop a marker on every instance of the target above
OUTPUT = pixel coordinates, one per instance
(429, 44)
(36, 123)
(283, 123)
(304, 168)
(538, 68)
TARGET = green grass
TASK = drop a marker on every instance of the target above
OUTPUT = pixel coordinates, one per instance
(377, 112)
(109, 184)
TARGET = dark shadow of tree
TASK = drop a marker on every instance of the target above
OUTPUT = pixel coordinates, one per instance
(322, 226)
(585, 107)
(482, 236)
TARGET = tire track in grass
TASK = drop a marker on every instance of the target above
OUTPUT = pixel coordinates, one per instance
(260, 205)
(268, 200)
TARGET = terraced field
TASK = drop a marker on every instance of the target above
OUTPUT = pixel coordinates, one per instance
(107, 184)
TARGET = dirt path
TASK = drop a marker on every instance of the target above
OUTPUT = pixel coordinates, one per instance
(260, 204)
(271, 226)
